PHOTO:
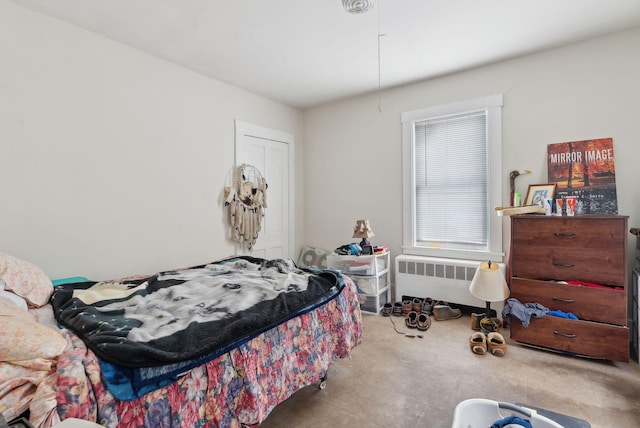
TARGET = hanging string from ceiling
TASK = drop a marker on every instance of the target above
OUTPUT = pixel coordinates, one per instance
(361, 6)
(379, 63)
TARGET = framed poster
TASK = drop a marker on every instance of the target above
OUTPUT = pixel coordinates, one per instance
(585, 169)
(538, 193)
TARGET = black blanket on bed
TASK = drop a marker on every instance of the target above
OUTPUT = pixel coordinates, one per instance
(190, 313)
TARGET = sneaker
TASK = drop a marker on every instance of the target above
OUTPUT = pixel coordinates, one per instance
(424, 322)
(445, 312)
(397, 309)
(406, 307)
(387, 309)
(427, 306)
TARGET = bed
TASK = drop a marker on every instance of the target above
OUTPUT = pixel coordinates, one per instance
(215, 345)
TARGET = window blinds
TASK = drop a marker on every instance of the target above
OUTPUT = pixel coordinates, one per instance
(451, 180)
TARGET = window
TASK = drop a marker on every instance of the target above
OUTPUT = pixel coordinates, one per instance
(452, 167)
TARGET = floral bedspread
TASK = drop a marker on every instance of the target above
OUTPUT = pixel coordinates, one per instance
(238, 389)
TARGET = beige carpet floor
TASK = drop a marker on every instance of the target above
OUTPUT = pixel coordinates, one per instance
(395, 381)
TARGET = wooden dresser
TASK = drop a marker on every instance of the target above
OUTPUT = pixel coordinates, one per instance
(588, 249)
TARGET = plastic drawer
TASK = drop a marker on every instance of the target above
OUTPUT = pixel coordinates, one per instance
(358, 265)
(370, 284)
(372, 303)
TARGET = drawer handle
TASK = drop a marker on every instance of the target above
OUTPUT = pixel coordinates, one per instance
(564, 234)
(563, 300)
(570, 336)
(567, 265)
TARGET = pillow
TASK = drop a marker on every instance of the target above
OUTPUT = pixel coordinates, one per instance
(26, 342)
(70, 280)
(25, 279)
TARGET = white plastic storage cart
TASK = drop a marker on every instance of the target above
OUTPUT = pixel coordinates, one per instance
(482, 413)
(371, 275)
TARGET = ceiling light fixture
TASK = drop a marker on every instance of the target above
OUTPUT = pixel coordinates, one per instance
(358, 6)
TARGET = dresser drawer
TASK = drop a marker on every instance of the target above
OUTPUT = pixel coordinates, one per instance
(579, 232)
(587, 303)
(589, 265)
(579, 337)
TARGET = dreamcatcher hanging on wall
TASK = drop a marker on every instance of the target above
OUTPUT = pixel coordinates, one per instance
(246, 202)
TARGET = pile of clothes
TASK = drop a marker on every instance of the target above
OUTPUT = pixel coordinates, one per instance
(524, 311)
(352, 249)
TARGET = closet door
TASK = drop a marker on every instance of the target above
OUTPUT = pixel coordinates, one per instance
(270, 151)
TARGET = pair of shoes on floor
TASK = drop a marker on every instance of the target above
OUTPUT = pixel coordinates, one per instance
(493, 342)
(445, 312)
(418, 320)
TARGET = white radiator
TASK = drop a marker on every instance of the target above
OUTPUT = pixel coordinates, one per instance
(440, 279)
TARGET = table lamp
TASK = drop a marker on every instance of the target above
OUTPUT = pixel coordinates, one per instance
(489, 285)
(363, 230)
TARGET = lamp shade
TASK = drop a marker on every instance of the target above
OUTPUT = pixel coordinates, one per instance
(488, 284)
(362, 229)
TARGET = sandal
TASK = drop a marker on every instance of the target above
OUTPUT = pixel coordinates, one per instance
(478, 343)
(424, 322)
(497, 345)
(412, 319)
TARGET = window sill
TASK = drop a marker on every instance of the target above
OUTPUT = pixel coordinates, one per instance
(454, 254)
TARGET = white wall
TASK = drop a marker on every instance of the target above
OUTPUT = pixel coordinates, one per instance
(353, 164)
(113, 162)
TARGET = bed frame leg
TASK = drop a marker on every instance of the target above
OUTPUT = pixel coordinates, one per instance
(323, 382)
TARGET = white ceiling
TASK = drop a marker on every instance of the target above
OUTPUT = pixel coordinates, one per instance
(307, 52)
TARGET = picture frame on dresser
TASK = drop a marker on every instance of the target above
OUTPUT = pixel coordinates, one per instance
(537, 193)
